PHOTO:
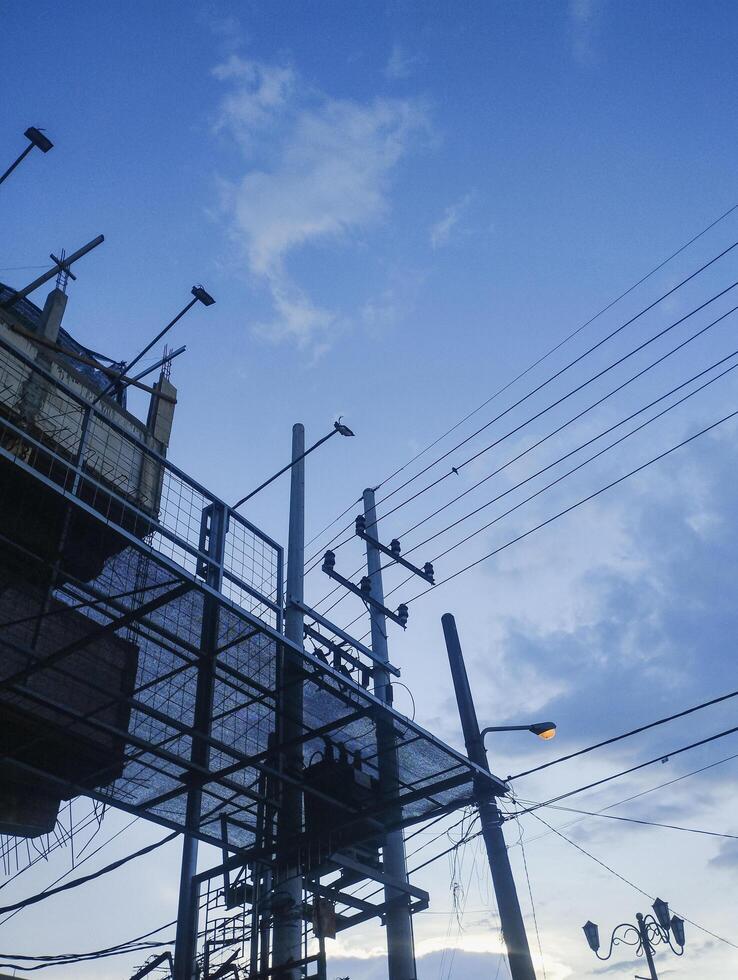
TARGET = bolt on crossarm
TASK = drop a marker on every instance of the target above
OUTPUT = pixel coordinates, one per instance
(511, 918)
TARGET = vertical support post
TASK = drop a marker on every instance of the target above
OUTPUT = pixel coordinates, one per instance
(287, 894)
(643, 929)
(185, 949)
(400, 945)
(511, 918)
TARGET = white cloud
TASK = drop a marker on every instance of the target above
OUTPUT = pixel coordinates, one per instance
(400, 64)
(441, 231)
(262, 91)
(585, 17)
(325, 172)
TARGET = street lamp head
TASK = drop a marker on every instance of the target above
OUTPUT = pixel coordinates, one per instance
(341, 428)
(38, 139)
(661, 911)
(677, 928)
(592, 932)
(544, 729)
(203, 295)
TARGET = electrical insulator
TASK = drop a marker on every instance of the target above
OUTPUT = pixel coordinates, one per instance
(402, 614)
(395, 547)
(329, 560)
(360, 524)
(366, 585)
(428, 571)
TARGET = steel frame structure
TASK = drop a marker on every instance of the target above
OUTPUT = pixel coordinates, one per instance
(198, 590)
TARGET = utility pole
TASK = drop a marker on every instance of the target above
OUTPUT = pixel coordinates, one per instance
(212, 533)
(511, 919)
(400, 944)
(287, 893)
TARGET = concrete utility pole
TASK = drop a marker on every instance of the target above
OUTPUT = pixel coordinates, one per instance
(511, 919)
(287, 894)
(400, 945)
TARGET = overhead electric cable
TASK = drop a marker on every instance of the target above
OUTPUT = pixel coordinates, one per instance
(622, 878)
(549, 466)
(627, 772)
(535, 363)
(581, 414)
(641, 822)
(651, 789)
(33, 899)
(578, 503)
(552, 378)
(547, 487)
(633, 731)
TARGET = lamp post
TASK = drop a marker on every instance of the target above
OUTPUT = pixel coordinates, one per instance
(511, 918)
(650, 931)
(543, 729)
(200, 295)
(35, 137)
(338, 429)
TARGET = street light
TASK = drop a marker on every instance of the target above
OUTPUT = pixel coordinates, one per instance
(339, 428)
(645, 936)
(199, 295)
(35, 137)
(543, 729)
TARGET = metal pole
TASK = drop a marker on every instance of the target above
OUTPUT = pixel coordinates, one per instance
(13, 165)
(511, 919)
(21, 293)
(400, 945)
(287, 894)
(646, 946)
(185, 949)
(284, 469)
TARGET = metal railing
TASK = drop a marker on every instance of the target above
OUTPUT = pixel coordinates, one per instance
(86, 452)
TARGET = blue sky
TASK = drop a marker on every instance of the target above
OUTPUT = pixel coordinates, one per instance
(398, 208)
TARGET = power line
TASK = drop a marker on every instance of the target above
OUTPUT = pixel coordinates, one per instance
(579, 503)
(548, 381)
(576, 418)
(561, 459)
(552, 405)
(651, 789)
(643, 823)
(535, 364)
(560, 479)
(627, 772)
(622, 878)
(633, 731)
(40, 896)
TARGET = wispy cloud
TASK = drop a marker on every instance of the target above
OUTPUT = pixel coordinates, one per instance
(585, 19)
(401, 64)
(324, 172)
(442, 231)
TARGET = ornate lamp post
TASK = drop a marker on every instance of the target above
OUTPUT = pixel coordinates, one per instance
(645, 936)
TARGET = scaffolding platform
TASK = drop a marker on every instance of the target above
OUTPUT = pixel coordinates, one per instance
(151, 611)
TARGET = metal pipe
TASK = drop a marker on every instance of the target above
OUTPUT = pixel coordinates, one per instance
(400, 945)
(284, 469)
(22, 293)
(511, 918)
